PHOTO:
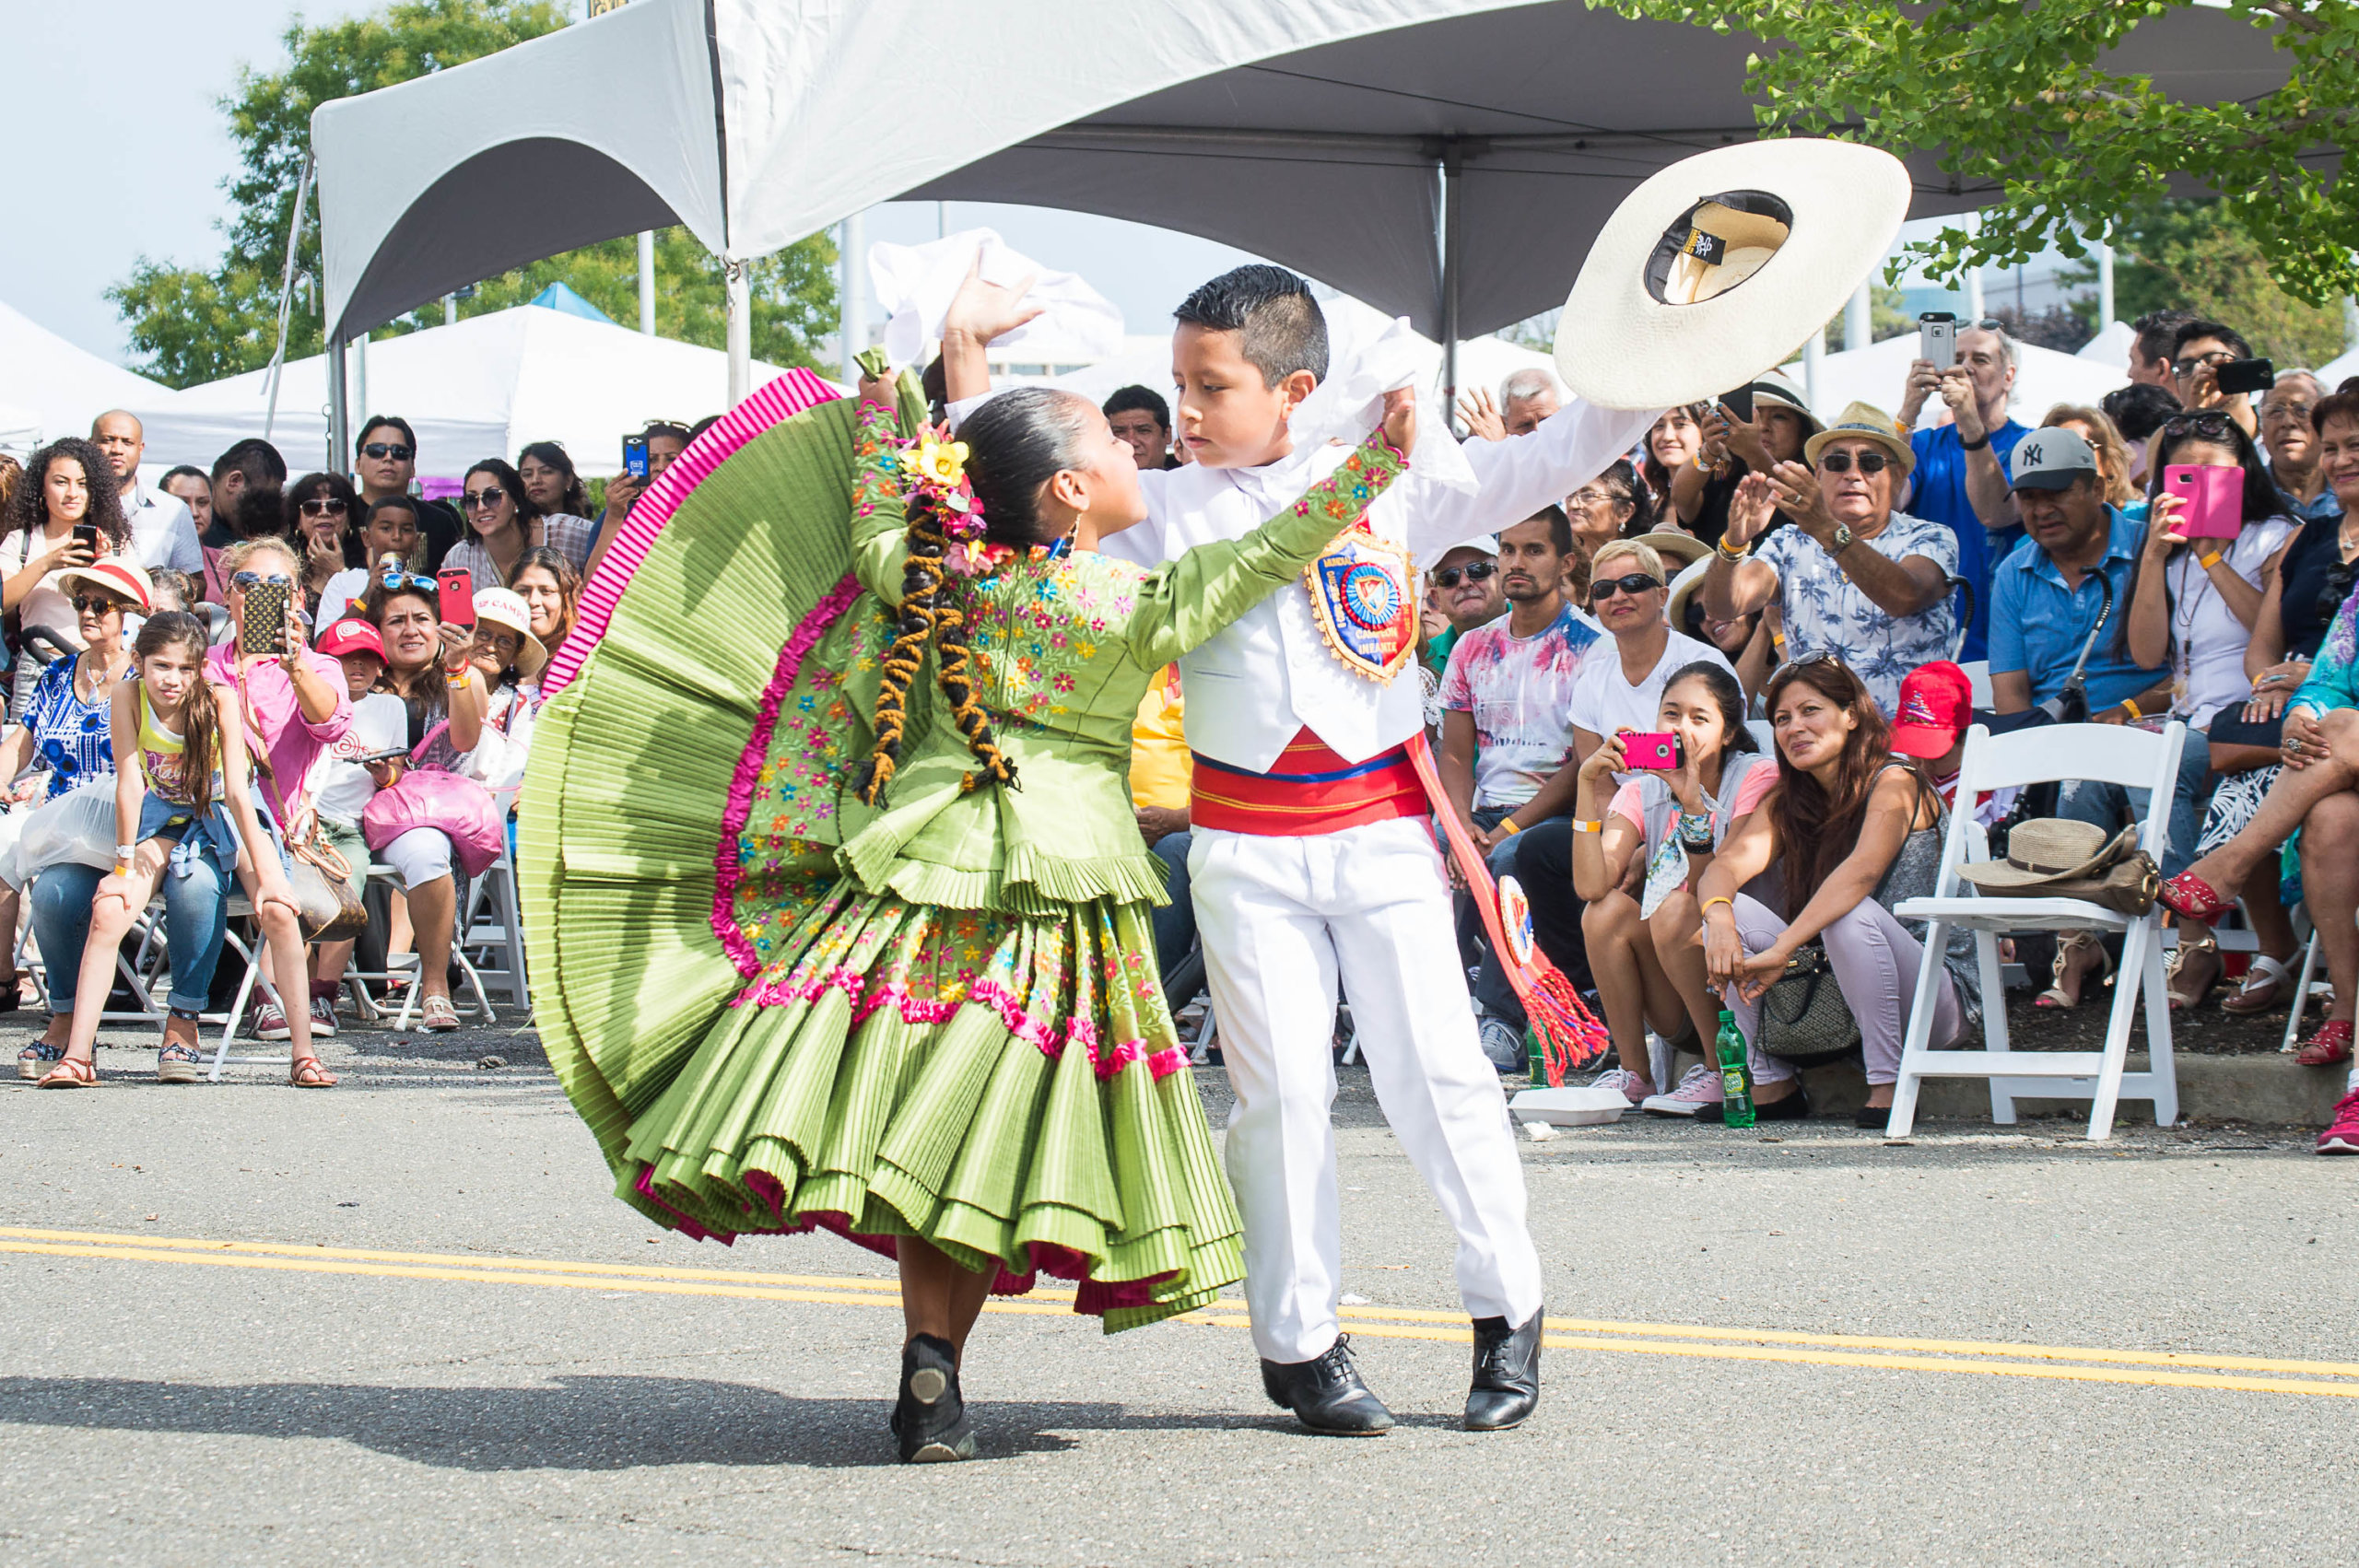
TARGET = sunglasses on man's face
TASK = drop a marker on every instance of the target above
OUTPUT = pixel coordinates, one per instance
(1473, 571)
(252, 579)
(489, 496)
(326, 505)
(2194, 362)
(1633, 585)
(1840, 463)
(96, 605)
(383, 449)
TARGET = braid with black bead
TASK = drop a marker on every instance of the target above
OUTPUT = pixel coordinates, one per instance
(950, 642)
(921, 589)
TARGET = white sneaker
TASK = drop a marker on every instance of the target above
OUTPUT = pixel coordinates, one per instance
(1700, 1086)
(1503, 1044)
(1623, 1081)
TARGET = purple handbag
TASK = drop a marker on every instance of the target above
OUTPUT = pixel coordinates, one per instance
(429, 797)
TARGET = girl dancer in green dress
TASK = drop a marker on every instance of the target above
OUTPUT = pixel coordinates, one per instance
(950, 1043)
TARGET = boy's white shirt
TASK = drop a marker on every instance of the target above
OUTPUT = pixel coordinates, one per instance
(1271, 674)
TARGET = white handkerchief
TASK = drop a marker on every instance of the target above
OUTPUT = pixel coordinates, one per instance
(1350, 401)
(915, 283)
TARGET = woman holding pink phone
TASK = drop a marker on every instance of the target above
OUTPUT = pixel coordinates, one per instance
(2195, 596)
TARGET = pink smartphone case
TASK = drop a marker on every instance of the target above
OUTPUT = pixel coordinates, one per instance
(2215, 499)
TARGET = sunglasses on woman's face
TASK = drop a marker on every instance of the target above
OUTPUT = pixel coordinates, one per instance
(1840, 463)
(324, 507)
(383, 449)
(250, 580)
(2211, 425)
(1473, 571)
(96, 605)
(490, 496)
(1633, 585)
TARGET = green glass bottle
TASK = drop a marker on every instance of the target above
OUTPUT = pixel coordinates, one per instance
(1736, 1073)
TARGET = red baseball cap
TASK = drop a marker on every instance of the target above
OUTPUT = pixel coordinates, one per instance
(1936, 708)
(351, 635)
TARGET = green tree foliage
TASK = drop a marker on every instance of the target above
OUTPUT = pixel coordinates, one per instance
(196, 324)
(2019, 97)
(2188, 254)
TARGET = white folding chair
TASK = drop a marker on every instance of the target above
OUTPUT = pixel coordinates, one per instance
(492, 926)
(2098, 752)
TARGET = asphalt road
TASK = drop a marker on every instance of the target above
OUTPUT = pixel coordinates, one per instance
(383, 1376)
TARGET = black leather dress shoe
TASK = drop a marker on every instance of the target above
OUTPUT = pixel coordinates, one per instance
(1506, 1373)
(931, 1418)
(1326, 1394)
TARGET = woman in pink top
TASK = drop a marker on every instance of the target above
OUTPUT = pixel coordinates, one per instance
(295, 707)
(1634, 861)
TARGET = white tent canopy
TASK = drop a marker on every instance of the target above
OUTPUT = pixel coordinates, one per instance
(1875, 374)
(54, 388)
(482, 387)
(1320, 135)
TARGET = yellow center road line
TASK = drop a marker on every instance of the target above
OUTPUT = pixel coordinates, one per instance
(1998, 1359)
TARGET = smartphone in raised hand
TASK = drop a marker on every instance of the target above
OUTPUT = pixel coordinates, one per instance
(1937, 338)
(456, 596)
(2213, 497)
(263, 627)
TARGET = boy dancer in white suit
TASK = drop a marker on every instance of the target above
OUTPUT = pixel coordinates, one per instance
(1312, 859)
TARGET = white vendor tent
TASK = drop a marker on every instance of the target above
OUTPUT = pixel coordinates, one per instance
(480, 388)
(2111, 348)
(1874, 375)
(2334, 371)
(19, 431)
(1446, 159)
(53, 388)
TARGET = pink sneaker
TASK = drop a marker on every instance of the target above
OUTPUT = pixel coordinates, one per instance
(1625, 1082)
(2341, 1134)
(270, 1022)
(1700, 1086)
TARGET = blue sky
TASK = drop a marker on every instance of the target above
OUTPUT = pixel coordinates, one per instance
(128, 95)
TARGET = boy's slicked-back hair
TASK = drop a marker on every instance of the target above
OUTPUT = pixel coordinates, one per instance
(1280, 328)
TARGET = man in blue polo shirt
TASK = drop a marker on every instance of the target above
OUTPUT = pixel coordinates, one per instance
(1961, 477)
(2048, 595)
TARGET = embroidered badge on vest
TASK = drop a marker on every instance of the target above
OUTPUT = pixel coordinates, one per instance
(1359, 596)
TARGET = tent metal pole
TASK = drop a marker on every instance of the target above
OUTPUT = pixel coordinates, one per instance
(2104, 285)
(1973, 275)
(852, 294)
(339, 411)
(1812, 353)
(1858, 318)
(1452, 240)
(287, 295)
(647, 282)
(737, 286)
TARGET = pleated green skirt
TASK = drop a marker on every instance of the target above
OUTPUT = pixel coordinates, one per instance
(1008, 1089)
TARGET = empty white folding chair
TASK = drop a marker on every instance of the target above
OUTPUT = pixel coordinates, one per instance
(491, 924)
(2098, 752)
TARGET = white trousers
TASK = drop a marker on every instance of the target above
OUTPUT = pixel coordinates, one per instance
(1281, 919)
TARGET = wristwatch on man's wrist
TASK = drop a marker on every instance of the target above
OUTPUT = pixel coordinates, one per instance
(1844, 539)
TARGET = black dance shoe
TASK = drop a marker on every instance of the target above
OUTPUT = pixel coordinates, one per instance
(1326, 1395)
(1506, 1373)
(930, 1418)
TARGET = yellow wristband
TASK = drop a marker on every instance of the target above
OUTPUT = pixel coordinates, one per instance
(1597, 826)
(1723, 899)
(1507, 825)
(2207, 562)
(2131, 704)
(1721, 544)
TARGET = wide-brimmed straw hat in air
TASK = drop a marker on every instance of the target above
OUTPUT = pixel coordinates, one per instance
(1723, 264)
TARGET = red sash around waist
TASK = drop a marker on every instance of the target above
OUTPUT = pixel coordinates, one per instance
(1310, 790)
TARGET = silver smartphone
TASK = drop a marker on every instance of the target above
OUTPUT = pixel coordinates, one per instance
(1937, 338)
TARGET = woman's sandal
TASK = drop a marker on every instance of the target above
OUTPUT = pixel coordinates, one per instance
(36, 1058)
(2191, 946)
(2067, 947)
(2193, 898)
(70, 1072)
(2328, 1047)
(177, 1063)
(2263, 987)
(438, 1014)
(309, 1072)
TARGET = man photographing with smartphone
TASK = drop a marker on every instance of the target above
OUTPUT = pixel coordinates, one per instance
(1961, 478)
(2211, 367)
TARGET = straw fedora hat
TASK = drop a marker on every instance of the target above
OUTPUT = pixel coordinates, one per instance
(1719, 265)
(1863, 421)
(1680, 549)
(2043, 849)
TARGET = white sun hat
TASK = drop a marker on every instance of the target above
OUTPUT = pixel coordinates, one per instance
(1716, 267)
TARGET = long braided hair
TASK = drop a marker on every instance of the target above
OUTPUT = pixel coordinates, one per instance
(1015, 444)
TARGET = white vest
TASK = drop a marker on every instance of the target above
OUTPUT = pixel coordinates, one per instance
(1271, 674)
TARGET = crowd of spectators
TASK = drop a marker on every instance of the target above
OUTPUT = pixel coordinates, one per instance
(1809, 608)
(173, 737)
